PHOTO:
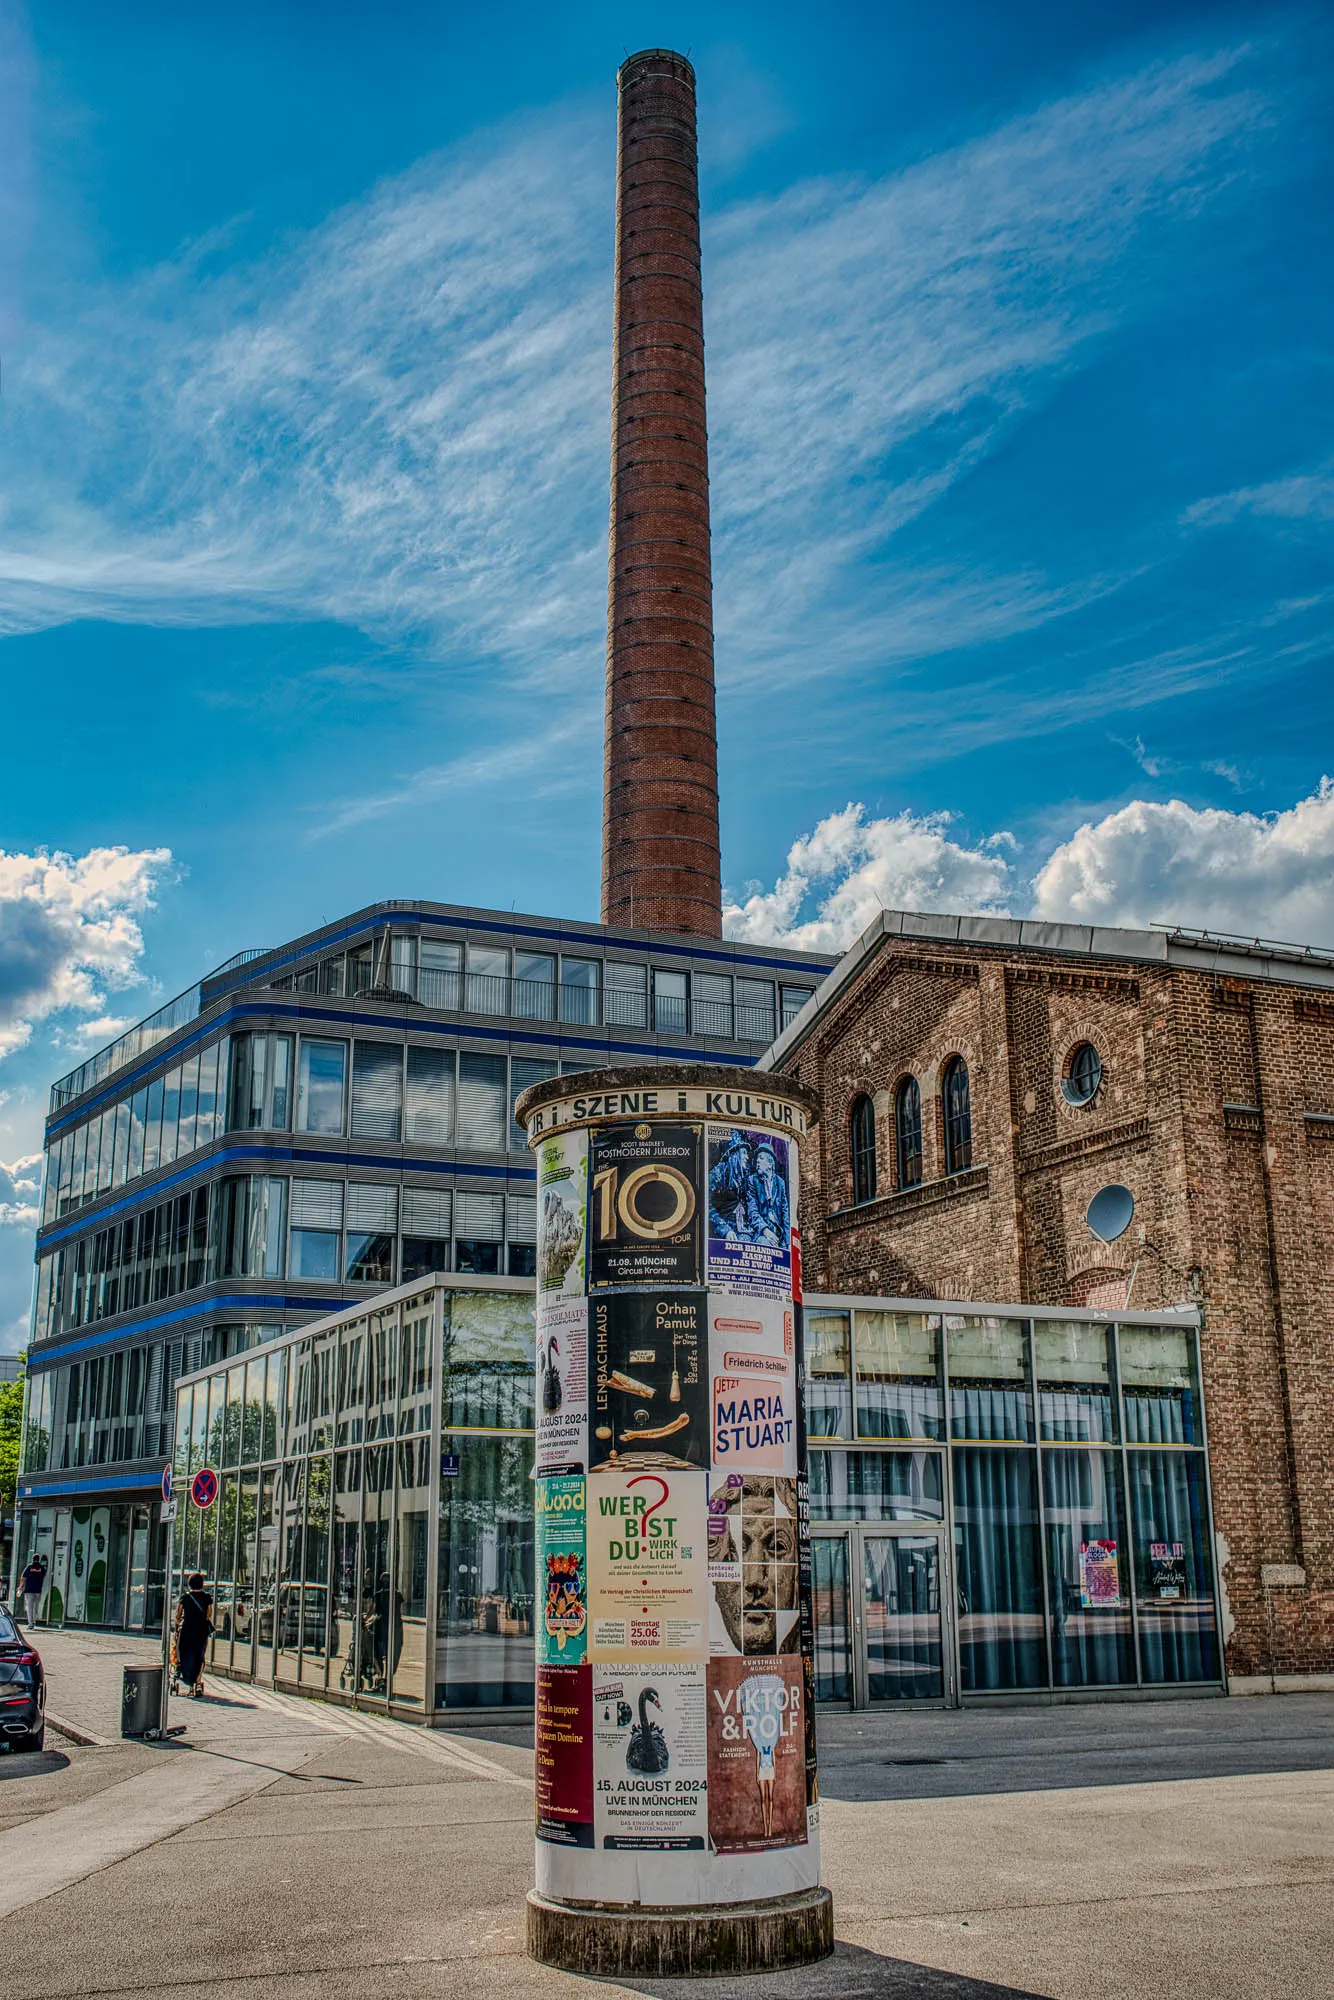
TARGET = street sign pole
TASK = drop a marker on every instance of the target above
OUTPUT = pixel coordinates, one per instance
(168, 1610)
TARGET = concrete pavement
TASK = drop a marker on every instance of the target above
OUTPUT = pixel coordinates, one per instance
(368, 1857)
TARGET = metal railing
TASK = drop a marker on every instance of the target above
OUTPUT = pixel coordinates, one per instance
(134, 1042)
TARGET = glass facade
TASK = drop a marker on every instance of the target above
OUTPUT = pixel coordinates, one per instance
(307, 1127)
(983, 1523)
(1069, 1488)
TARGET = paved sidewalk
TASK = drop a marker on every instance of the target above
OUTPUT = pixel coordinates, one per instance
(309, 1854)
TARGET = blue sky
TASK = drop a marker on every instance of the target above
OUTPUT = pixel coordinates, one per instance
(1020, 357)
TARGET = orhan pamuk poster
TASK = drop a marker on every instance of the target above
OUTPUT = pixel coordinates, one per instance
(750, 1211)
(648, 1397)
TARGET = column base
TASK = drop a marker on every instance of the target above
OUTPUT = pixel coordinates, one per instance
(711, 1939)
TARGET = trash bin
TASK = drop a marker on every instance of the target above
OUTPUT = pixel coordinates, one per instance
(141, 1701)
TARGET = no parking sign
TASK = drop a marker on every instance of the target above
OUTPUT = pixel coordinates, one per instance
(204, 1486)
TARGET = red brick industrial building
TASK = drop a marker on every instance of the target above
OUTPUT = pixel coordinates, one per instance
(982, 1079)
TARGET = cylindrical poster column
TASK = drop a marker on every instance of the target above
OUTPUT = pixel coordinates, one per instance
(677, 1800)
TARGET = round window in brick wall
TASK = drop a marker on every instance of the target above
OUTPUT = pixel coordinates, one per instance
(1083, 1074)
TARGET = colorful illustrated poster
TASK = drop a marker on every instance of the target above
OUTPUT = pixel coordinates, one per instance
(1099, 1574)
(647, 1582)
(650, 1762)
(563, 1766)
(644, 1205)
(1167, 1565)
(753, 1402)
(753, 1563)
(757, 1755)
(750, 1211)
(562, 1571)
(562, 1174)
(562, 1384)
(648, 1399)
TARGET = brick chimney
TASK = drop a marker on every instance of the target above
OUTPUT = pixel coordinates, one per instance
(660, 865)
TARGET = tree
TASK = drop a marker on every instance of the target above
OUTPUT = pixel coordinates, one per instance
(11, 1440)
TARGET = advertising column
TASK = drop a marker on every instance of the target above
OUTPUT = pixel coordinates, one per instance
(677, 1809)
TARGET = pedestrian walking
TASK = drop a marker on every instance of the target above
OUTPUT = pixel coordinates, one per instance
(34, 1583)
(193, 1624)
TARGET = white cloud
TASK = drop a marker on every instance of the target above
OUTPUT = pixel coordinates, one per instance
(20, 1184)
(1302, 497)
(838, 878)
(401, 422)
(1266, 875)
(69, 931)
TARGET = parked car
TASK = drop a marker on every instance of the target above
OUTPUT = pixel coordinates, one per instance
(22, 1688)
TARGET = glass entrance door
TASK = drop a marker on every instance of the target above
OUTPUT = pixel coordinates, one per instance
(881, 1607)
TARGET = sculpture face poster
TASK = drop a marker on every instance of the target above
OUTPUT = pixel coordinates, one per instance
(754, 1576)
(757, 1755)
(647, 1395)
(650, 1768)
(648, 1590)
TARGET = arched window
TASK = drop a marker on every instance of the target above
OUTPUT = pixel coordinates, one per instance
(958, 1116)
(863, 1149)
(908, 1131)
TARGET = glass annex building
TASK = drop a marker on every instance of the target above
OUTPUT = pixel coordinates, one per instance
(304, 1128)
(1000, 1504)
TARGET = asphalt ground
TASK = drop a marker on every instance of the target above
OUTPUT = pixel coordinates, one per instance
(283, 1848)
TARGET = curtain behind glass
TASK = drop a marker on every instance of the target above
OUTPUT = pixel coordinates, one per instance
(999, 1570)
(1088, 1569)
(1173, 1578)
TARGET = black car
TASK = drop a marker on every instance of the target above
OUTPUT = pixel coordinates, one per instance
(22, 1688)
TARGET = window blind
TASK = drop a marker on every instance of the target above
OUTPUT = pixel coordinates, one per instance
(426, 1211)
(317, 1204)
(377, 1091)
(481, 1102)
(372, 1207)
(430, 1099)
(523, 1218)
(479, 1216)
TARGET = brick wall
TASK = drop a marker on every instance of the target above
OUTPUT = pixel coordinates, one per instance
(1211, 1111)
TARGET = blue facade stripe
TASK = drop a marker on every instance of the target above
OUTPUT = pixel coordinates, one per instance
(41, 1358)
(107, 1482)
(146, 1194)
(169, 1052)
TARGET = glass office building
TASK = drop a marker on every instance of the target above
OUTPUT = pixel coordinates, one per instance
(1003, 1502)
(304, 1128)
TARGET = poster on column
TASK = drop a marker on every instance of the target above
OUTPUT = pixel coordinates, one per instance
(562, 1384)
(757, 1755)
(562, 1175)
(752, 1364)
(562, 1571)
(563, 1763)
(644, 1205)
(648, 1398)
(650, 1763)
(750, 1211)
(647, 1583)
(753, 1565)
